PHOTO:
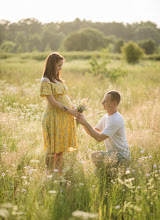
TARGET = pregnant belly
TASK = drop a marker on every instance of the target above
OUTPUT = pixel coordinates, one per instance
(64, 100)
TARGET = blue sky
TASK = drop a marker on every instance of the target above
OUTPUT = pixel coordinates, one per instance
(126, 11)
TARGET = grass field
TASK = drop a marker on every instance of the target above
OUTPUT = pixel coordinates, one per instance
(27, 191)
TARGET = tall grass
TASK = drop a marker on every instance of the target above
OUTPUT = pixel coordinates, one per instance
(28, 192)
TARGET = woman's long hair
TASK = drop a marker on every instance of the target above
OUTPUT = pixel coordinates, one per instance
(50, 67)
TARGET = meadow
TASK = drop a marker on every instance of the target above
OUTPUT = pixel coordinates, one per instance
(29, 192)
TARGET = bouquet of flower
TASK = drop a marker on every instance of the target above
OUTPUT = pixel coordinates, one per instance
(80, 106)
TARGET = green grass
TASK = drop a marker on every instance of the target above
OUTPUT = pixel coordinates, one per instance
(28, 192)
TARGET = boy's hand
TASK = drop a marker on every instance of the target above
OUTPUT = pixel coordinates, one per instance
(81, 119)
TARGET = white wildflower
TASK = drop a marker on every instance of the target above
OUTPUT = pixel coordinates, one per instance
(23, 177)
(137, 208)
(4, 213)
(127, 172)
(84, 215)
(17, 213)
(34, 161)
(52, 191)
(81, 184)
(7, 205)
(120, 181)
(56, 181)
(154, 166)
(55, 170)
(129, 180)
(27, 167)
(30, 171)
(49, 176)
(117, 207)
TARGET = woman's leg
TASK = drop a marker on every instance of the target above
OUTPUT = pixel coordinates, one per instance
(59, 162)
(50, 161)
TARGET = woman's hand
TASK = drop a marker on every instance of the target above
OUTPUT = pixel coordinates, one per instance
(75, 113)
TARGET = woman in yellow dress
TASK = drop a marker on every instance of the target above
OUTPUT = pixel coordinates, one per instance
(58, 119)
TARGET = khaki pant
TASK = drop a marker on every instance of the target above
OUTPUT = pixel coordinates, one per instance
(109, 159)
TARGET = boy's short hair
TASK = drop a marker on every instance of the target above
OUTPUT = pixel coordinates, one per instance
(115, 96)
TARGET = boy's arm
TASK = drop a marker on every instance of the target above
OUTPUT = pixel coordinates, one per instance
(90, 130)
(97, 129)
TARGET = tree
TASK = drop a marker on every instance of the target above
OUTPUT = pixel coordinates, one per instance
(21, 41)
(78, 35)
(118, 46)
(147, 32)
(85, 39)
(149, 46)
(30, 25)
(8, 47)
(34, 42)
(51, 40)
(3, 25)
(132, 52)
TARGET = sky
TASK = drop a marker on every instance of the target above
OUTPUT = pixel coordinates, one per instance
(126, 11)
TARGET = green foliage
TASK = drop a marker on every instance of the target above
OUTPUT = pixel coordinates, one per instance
(51, 39)
(144, 32)
(28, 191)
(85, 39)
(21, 40)
(109, 41)
(153, 57)
(99, 66)
(132, 52)
(5, 55)
(8, 47)
(149, 46)
(115, 73)
(118, 45)
(31, 35)
(39, 56)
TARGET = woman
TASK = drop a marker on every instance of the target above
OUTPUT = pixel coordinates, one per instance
(58, 119)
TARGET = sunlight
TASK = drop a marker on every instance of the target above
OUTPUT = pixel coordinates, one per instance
(103, 10)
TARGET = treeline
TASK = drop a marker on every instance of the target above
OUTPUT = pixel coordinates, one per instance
(29, 35)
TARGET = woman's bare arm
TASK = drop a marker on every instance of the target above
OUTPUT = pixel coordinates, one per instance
(53, 102)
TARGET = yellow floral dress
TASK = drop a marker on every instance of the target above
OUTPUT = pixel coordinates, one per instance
(58, 126)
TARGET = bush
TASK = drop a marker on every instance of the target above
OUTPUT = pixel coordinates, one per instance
(118, 46)
(4, 55)
(149, 46)
(99, 66)
(155, 57)
(8, 47)
(132, 52)
(68, 55)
